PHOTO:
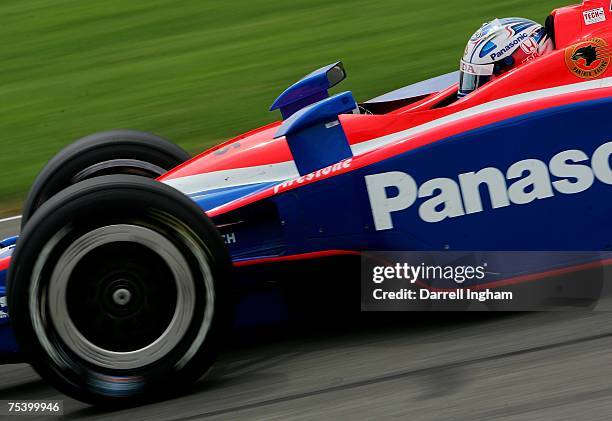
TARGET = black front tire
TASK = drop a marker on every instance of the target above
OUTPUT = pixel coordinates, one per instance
(118, 291)
(106, 153)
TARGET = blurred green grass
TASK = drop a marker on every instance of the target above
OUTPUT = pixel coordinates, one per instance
(201, 71)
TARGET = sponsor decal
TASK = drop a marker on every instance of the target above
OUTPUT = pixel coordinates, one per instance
(530, 58)
(594, 16)
(518, 40)
(477, 69)
(322, 173)
(477, 35)
(588, 59)
(3, 308)
(229, 238)
(523, 183)
(468, 68)
(530, 46)
(482, 31)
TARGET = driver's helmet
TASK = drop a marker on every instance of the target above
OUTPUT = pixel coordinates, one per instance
(500, 46)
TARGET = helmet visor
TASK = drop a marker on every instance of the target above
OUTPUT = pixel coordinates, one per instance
(473, 76)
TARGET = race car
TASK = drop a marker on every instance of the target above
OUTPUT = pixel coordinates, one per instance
(122, 284)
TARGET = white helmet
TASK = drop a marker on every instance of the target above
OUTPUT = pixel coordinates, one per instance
(499, 46)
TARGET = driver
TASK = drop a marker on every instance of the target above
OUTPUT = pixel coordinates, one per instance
(500, 46)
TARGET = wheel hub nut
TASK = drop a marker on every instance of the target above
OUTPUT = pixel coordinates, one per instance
(122, 296)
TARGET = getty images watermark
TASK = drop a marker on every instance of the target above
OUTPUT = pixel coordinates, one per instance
(426, 274)
(485, 281)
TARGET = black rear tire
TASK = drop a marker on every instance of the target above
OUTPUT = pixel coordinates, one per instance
(104, 153)
(118, 291)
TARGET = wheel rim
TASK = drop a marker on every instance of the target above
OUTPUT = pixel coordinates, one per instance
(119, 166)
(120, 292)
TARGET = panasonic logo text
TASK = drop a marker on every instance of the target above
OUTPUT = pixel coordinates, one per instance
(524, 182)
(508, 47)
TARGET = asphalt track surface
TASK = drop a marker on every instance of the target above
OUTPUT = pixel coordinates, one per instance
(477, 366)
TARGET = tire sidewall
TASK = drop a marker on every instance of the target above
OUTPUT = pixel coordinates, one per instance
(100, 199)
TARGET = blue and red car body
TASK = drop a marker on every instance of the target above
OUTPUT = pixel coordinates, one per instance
(276, 202)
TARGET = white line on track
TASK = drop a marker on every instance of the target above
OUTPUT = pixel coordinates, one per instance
(12, 218)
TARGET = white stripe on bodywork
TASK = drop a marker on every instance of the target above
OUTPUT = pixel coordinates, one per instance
(287, 170)
(234, 177)
(370, 145)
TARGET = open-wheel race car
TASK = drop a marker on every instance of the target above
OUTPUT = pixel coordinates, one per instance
(122, 284)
